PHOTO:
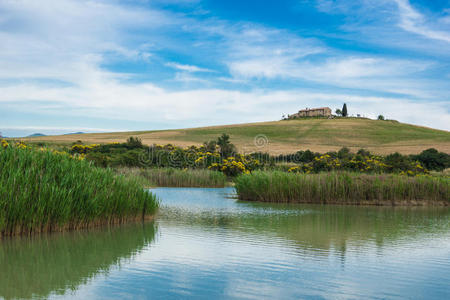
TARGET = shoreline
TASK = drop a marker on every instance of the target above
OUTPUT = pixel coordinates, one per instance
(385, 203)
(49, 229)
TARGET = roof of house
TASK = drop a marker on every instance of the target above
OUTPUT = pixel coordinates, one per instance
(308, 109)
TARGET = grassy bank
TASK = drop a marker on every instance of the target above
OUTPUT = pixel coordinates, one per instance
(168, 177)
(46, 191)
(343, 188)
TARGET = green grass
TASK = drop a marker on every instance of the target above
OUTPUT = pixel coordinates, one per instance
(43, 191)
(359, 132)
(320, 135)
(168, 177)
(342, 188)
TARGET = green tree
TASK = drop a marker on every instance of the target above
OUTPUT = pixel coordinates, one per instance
(210, 146)
(344, 110)
(227, 149)
(338, 112)
(397, 162)
(134, 143)
(432, 159)
(344, 153)
(363, 152)
(305, 156)
(380, 117)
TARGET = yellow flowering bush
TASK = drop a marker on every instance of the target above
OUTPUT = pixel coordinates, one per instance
(367, 164)
(325, 163)
(357, 163)
(235, 165)
(305, 168)
(21, 145)
(83, 149)
(5, 143)
(206, 159)
(230, 167)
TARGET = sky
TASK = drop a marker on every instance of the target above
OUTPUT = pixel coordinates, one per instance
(75, 65)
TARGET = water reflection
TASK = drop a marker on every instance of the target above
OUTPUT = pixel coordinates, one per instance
(57, 263)
(210, 246)
(308, 226)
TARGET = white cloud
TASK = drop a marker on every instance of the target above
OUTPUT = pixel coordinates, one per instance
(255, 52)
(256, 42)
(376, 74)
(411, 20)
(388, 24)
(187, 68)
(143, 102)
(67, 40)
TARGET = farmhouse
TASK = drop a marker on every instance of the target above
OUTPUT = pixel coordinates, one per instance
(312, 112)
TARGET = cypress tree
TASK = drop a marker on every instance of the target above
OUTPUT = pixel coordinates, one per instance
(344, 110)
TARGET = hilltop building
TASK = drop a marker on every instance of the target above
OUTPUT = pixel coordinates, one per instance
(312, 112)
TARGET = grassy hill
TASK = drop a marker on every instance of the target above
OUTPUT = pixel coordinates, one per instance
(288, 136)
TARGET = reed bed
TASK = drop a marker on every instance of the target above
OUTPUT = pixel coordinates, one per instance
(43, 191)
(343, 188)
(169, 177)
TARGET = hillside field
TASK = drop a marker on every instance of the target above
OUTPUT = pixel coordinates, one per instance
(288, 136)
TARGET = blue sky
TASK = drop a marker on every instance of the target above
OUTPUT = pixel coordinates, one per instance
(74, 65)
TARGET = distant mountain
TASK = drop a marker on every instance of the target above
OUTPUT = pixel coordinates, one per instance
(74, 133)
(36, 134)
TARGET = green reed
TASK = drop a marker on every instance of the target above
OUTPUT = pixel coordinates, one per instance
(46, 191)
(169, 177)
(343, 187)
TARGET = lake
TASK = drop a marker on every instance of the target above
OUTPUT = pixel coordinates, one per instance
(204, 244)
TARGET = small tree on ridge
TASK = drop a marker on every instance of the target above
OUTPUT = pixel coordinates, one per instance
(344, 110)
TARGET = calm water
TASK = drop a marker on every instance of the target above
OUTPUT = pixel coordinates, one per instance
(205, 245)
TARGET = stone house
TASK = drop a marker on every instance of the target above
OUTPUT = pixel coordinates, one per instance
(312, 112)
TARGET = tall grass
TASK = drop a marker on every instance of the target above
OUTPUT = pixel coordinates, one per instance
(169, 177)
(44, 191)
(343, 187)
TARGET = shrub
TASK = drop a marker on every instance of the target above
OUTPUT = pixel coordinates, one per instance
(233, 166)
(363, 152)
(397, 162)
(83, 149)
(210, 146)
(363, 162)
(299, 157)
(134, 143)
(432, 159)
(344, 153)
